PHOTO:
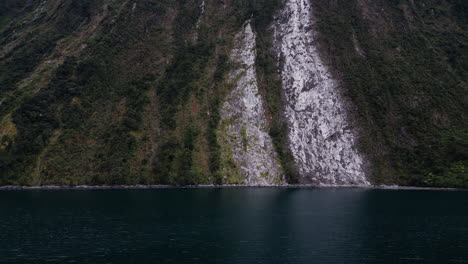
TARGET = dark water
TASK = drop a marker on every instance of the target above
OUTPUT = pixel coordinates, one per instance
(253, 225)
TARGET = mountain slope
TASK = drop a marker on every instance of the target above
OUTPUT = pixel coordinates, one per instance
(138, 92)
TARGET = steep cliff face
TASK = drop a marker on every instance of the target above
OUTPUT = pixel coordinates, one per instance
(321, 138)
(186, 92)
(244, 128)
(403, 65)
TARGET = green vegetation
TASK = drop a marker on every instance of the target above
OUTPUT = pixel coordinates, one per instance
(245, 140)
(100, 92)
(270, 86)
(408, 83)
(91, 104)
(182, 81)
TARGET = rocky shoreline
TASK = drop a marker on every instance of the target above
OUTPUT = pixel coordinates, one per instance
(142, 187)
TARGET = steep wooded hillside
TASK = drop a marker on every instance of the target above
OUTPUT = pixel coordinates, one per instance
(168, 91)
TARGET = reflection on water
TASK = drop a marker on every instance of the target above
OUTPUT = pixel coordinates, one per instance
(244, 225)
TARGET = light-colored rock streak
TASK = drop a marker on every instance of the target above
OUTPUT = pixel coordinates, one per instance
(202, 12)
(320, 136)
(243, 121)
(200, 17)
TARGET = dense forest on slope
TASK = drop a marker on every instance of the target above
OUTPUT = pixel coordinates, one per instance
(129, 92)
(404, 65)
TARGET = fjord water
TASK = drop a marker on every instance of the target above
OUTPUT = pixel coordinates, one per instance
(234, 225)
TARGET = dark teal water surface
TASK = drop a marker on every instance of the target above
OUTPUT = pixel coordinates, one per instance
(234, 225)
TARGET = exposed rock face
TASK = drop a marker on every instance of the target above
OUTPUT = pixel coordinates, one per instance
(197, 25)
(243, 123)
(321, 139)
